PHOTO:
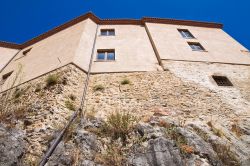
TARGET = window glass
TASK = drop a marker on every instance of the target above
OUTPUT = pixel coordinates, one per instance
(107, 32)
(110, 56)
(101, 55)
(111, 32)
(104, 32)
(185, 33)
(196, 46)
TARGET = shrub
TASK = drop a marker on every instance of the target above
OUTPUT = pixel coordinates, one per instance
(18, 93)
(98, 87)
(119, 125)
(52, 80)
(70, 105)
(38, 88)
(72, 97)
(125, 81)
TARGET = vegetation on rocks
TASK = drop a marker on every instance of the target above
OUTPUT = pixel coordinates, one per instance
(70, 105)
(98, 87)
(52, 79)
(125, 81)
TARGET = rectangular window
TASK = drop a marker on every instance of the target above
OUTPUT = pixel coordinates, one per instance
(196, 46)
(26, 51)
(5, 77)
(106, 55)
(222, 81)
(107, 32)
(185, 34)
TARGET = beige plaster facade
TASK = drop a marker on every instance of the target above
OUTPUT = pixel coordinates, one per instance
(139, 46)
(219, 46)
(5, 56)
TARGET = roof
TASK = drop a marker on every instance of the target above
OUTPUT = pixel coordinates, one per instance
(109, 22)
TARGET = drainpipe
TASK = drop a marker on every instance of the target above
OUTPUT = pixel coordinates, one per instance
(153, 46)
(75, 114)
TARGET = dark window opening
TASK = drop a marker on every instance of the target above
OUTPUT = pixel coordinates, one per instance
(185, 34)
(107, 32)
(26, 51)
(222, 81)
(106, 55)
(5, 77)
(196, 46)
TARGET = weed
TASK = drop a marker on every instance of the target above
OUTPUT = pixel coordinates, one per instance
(216, 131)
(70, 105)
(52, 79)
(236, 129)
(113, 156)
(72, 97)
(98, 87)
(18, 92)
(125, 81)
(38, 88)
(119, 125)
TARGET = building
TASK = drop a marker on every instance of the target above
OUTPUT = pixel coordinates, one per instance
(148, 44)
(193, 70)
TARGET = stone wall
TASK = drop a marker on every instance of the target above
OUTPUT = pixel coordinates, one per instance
(41, 111)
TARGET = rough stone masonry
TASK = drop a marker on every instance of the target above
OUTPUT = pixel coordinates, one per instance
(183, 120)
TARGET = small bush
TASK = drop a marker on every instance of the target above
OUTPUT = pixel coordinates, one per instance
(72, 97)
(125, 81)
(52, 80)
(18, 93)
(98, 87)
(119, 125)
(38, 88)
(70, 105)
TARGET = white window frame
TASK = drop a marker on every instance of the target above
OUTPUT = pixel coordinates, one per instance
(105, 54)
(107, 32)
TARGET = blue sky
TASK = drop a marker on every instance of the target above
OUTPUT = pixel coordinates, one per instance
(22, 20)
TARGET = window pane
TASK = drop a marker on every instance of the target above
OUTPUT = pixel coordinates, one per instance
(183, 34)
(192, 46)
(101, 56)
(197, 47)
(111, 56)
(104, 32)
(188, 35)
(111, 32)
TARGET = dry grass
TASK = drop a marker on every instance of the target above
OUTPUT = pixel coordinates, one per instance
(70, 105)
(113, 156)
(216, 131)
(98, 87)
(119, 125)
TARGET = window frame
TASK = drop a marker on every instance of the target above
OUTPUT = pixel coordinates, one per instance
(222, 81)
(182, 32)
(196, 44)
(5, 77)
(106, 52)
(108, 32)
